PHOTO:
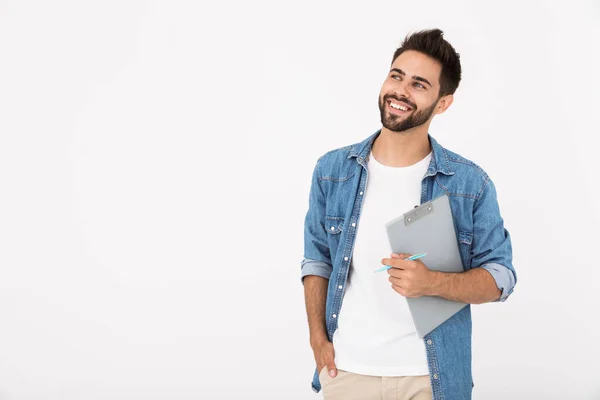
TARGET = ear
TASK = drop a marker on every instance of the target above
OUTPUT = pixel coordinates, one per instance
(443, 103)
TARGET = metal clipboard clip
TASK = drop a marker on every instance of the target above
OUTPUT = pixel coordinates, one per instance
(418, 213)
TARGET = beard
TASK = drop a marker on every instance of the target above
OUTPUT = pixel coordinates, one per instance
(394, 123)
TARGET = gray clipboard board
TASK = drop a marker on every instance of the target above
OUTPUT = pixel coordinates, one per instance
(429, 229)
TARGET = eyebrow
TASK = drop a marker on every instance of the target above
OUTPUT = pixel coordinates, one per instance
(415, 77)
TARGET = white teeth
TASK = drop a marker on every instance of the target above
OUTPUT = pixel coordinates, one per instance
(399, 107)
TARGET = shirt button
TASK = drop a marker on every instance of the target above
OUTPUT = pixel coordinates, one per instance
(346, 258)
(340, 287)
(429, 341)
(435, 376)
(361, 193)
(353, 224)
(333, 228)
(334, 316)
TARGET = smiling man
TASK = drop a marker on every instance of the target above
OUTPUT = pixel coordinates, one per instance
(361, 332)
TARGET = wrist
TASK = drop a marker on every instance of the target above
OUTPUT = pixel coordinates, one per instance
(318, 339)
(437, 281)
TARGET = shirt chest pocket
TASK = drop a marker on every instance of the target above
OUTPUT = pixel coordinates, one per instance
(465, 240)
(334, 226)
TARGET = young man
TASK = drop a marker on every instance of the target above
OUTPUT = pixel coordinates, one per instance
(361, 332)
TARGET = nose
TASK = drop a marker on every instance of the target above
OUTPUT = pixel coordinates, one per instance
(400, 90)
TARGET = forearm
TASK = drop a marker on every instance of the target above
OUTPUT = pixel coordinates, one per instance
(475, 286)
(315, 296)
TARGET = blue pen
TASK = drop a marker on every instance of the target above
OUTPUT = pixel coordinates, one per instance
(415, 257)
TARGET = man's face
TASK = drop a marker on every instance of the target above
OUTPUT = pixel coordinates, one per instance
(409, 94)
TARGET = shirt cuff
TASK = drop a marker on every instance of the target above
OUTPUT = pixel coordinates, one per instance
(504, 277)
(313, 267)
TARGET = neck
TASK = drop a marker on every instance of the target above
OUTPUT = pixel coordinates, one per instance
(401, 149)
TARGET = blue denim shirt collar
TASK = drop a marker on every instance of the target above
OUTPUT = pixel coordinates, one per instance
(439, 161)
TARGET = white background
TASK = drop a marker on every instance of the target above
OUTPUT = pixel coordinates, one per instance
(155, 163)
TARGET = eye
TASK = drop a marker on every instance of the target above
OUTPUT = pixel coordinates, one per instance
(396, 77)
(417, 84)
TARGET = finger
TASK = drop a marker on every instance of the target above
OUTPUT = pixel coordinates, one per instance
(399, 263)
(331, 366)
(400, 255)
(395, 281)
(399, 289)
(406, 292)
(402, 280)
(396, 272)
(392, 262)
(408, 264)
(400, 267)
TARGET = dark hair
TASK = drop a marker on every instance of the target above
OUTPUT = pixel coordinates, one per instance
(432, 43)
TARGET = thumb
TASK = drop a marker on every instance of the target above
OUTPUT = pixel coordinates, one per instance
(331, 367)
(395, 255)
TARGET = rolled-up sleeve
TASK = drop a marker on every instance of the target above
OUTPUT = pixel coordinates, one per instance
(492, 248)
(317, 259)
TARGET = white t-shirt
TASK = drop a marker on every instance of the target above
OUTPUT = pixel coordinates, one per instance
(376, 334)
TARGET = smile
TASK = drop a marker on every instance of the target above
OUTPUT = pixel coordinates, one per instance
(398, 108)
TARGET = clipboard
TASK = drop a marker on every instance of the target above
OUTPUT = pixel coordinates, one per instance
(429, 228)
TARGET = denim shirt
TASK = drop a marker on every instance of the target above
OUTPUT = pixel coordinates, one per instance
(335, 202)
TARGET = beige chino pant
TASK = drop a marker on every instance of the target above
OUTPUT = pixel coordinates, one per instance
(350, 386)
